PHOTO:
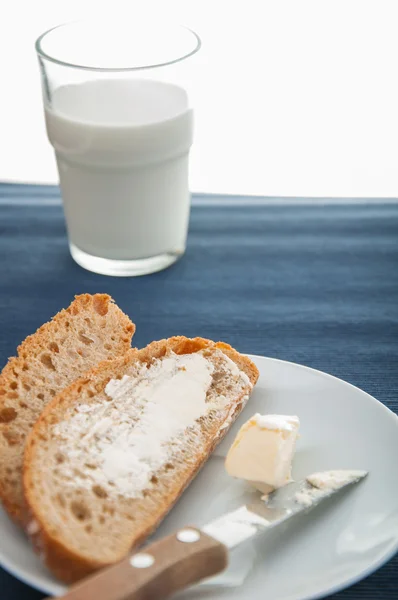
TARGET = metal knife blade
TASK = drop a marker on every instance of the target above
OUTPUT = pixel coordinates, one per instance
(250, 520)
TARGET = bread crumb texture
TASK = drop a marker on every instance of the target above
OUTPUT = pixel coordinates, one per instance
(119, 446)
(92, 329)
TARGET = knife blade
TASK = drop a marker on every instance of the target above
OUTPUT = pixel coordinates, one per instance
(268, 512)
(191, 555)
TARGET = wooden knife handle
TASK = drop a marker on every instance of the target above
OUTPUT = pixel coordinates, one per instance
(173, 563)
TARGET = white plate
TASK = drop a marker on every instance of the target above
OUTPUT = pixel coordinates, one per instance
(318, 554)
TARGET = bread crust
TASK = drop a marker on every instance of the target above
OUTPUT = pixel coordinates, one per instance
(66, 564)
(22, 401)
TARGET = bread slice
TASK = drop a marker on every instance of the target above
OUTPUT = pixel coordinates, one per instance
(92, 329)
(112, 453)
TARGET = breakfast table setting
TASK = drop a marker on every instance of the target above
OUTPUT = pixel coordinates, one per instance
(198, 395)
(309, 281)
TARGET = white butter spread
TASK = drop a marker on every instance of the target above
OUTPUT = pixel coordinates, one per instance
(325, 481)
(234, 369)
(306, 497)
(263, 451)
(236, 526)
(277, 422)
(120, 444)
(333, 480)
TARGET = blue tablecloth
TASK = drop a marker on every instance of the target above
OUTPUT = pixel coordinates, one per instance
(313, 283)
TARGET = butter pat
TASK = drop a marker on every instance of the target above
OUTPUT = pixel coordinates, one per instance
(263, 450)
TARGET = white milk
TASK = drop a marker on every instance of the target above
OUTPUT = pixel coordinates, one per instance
(122, 153)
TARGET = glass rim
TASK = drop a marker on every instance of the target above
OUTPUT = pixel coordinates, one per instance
(40, 52)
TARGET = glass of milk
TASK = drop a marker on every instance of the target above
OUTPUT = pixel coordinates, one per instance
(121, 129)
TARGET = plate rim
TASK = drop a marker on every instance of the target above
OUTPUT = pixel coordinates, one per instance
(330, 376)
(56, 589)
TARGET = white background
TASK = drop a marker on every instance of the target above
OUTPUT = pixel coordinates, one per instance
(293, 98)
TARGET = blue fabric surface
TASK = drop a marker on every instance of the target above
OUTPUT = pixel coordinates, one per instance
(313, 284)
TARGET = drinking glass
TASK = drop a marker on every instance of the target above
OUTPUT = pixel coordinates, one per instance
(122, 129)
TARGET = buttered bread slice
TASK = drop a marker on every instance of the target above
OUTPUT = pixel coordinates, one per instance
(92, 329)
(111, 454)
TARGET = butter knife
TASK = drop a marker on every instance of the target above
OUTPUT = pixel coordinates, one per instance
(190, 555)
